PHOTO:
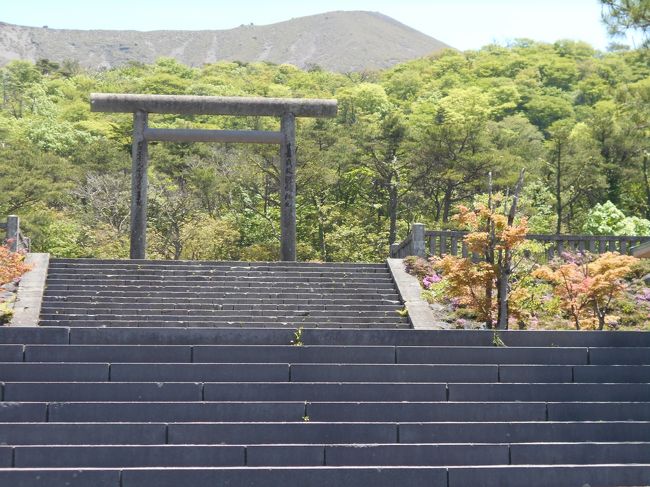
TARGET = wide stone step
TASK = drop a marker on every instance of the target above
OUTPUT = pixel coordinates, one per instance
(309, 432)
(54, 307)
(226, 293)
(215, 411)
(524, 432)
(219, 270)
(209, 311)
(227, 299)
(319, 455)
(379, 337)
(279, 411)
(222, 391)
(332, 354)
(268, 372)
(206, 353)
(178, 264)
(242, 477)
(464, 338)
(488, 476)
(289, 324)
(231, 316)
(204, 280)
(325, 289)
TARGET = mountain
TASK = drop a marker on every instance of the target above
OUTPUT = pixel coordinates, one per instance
(336, 41)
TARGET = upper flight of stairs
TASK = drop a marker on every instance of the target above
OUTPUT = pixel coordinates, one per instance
(84, 292)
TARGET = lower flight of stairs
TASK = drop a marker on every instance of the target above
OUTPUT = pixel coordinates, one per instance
(89, 292)
(241, 407)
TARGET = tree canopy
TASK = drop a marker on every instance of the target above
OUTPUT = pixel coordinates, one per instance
(409, 144)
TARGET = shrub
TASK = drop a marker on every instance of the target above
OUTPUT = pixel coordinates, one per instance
(588, 286)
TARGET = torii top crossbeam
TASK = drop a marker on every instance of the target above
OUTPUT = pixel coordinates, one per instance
(212, 105)
(285, 108)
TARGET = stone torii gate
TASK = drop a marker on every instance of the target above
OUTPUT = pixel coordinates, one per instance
(285, 108)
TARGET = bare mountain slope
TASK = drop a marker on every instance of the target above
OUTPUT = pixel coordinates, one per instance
(336, 41)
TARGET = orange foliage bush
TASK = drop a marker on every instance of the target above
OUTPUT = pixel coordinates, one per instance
(587, 288)
(493, 239)
(12, 265)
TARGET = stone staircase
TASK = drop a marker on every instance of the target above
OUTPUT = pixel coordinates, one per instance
(101, 404)
(89, 292)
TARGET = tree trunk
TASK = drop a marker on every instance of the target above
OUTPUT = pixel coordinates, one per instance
(446, 204)
(646, 185)
(392, 211)
(558, 191)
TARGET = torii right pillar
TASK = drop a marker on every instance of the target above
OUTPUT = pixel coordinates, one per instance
(288, 187)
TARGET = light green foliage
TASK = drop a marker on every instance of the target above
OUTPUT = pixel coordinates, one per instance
(606, 219)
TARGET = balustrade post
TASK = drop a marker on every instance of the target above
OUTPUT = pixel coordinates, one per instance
(418, 243)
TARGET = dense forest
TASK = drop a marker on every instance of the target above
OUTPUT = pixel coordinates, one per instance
(409, 144)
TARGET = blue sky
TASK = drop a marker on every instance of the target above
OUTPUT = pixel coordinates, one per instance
(464, 24)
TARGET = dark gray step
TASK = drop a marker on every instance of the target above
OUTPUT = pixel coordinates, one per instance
(384, 337)
(32, 334)
(485, 476)
(305, 391)
(59, 306)
(181, 336)
(306, 432)
(282, 411)
(151, 372)
(225, 302)
(599, 411)
(128, 456)
(226, 324)
(177, 264)
(292, 354)
(11, 353)
(103, 391)
(288, 477)
(206, 354)
(59, 478)
(218, 272)
(619, 356)
(612, 373)
(426, 411)
(222, 391)
(209, 281)
(22, 412)
(230, 316)
(211, 412)
(262, 455)
(492, 355)
(289, 296)
(465, 338)
(393, 373)
(579, 453)
(82, 434)
(54, 372)
(547, 476)
(107, 353)
(321, 286)
(523, 432)
(549, 392)
(144, 310)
